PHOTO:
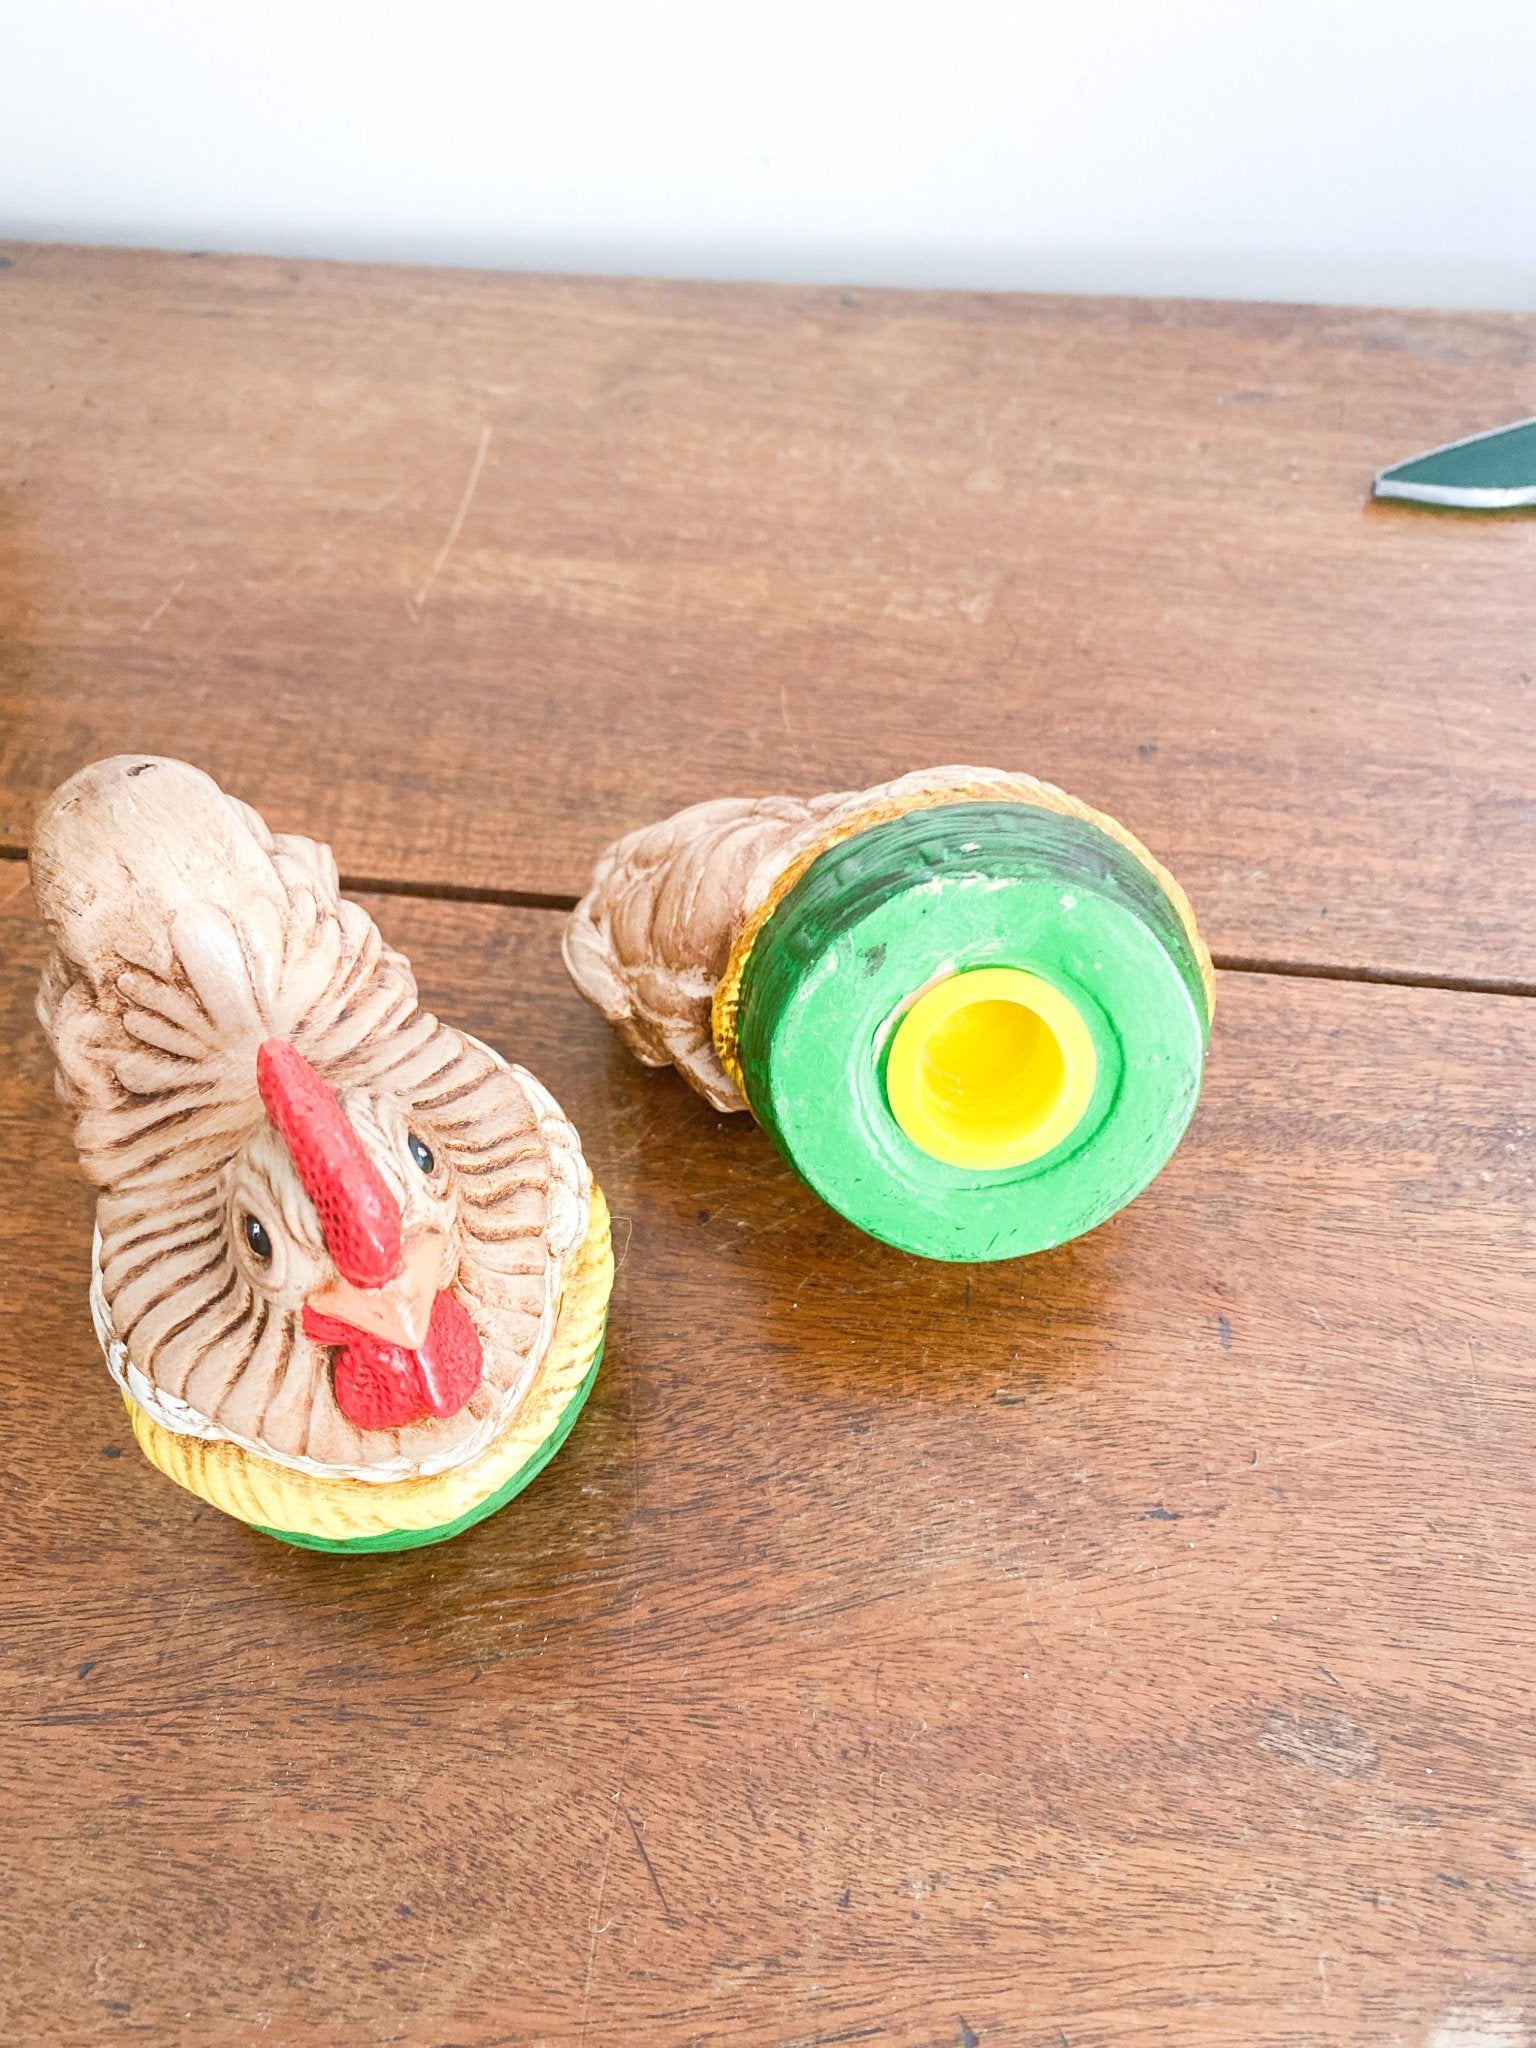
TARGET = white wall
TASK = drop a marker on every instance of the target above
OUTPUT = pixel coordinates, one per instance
(1333, 149)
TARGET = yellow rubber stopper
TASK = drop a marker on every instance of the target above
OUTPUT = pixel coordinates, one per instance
(990, 1068)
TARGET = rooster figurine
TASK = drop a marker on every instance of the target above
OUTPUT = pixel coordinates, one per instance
(971, 1011)
(351, 1271)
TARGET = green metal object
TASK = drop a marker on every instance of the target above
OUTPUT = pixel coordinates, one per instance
(1492, 472)
(883, 918)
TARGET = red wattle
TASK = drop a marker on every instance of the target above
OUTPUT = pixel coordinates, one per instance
(359, 1217)
(451, 1361)
(380, 1385)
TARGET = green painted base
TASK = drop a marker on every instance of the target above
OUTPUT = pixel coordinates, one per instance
(889, 914)
(417, 1539)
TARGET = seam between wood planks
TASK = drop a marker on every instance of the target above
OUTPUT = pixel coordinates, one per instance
(436, 892)
(1226, 963)
(455, 892)
(1382, 977)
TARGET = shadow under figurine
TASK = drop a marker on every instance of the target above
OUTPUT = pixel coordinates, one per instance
(971, 1012)
(351, 1271)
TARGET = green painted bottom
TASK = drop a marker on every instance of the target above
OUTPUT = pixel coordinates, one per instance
(418, 1539)
(888, 914)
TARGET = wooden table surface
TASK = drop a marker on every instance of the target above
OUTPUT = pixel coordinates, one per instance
(1129, 1648)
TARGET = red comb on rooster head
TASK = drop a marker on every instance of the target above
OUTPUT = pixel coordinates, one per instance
(359, 1217)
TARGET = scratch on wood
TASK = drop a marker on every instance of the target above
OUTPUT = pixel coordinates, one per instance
(163, 606)
(757, 1819)
(649, 1865)
(419, 600)
(305, 559)
(618, 1264)
(1322, 1739)
(598, 1925)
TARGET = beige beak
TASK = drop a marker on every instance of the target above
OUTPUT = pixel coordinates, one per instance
(399, 1311)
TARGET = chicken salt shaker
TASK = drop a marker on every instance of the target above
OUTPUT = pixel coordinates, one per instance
(971, 1012)
(351, 1270)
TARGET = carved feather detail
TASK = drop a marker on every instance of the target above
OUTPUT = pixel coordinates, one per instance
(186, 934)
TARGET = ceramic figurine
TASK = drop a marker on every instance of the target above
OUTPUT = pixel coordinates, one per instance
(971, 1011)
(351, 1271)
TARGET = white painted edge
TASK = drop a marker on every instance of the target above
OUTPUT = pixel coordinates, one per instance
(1470, 498)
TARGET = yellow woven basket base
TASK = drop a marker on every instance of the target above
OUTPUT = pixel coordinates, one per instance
(1044, 795)
(254, 1489)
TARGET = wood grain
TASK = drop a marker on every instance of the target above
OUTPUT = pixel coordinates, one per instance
(1130, 1647)
(468, 573)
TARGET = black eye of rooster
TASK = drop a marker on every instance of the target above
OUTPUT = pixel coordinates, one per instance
(256, 1237)
(421, 1152)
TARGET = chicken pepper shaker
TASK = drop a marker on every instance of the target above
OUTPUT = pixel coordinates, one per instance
(971, 1012)
(351, 1271)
